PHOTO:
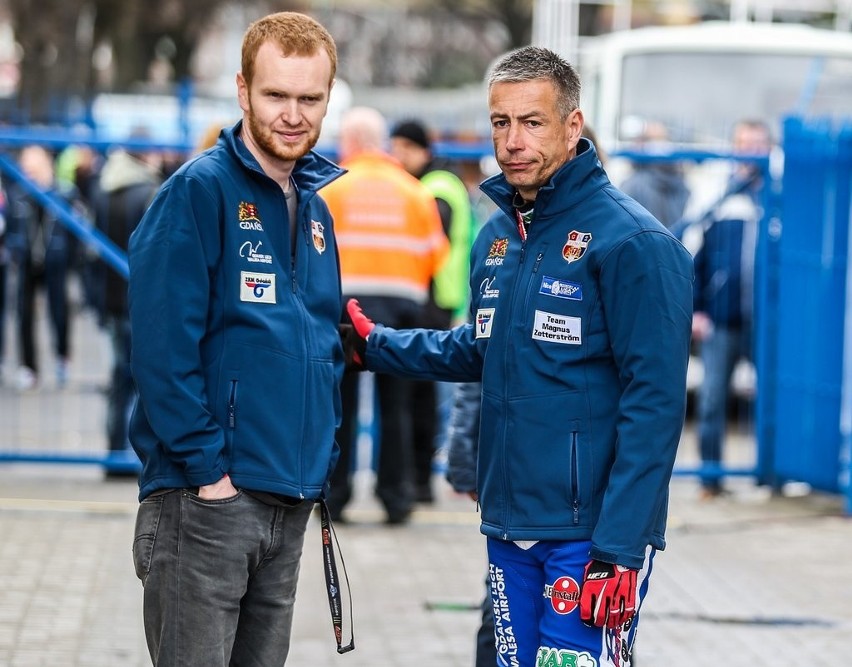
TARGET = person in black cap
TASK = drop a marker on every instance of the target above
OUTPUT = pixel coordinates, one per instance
(448, 296)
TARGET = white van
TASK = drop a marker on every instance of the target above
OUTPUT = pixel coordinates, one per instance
(699, 79)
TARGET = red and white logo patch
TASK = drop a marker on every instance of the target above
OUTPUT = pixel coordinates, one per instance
(318, 236)
(575, 246)
(564, 594)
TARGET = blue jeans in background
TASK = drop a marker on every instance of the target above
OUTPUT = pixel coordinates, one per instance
(121, 395)
(720, 352)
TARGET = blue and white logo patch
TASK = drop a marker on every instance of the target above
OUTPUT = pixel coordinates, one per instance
(486, 289)
(257, 287)
(484, 320)
(563, 289)
(252, 253)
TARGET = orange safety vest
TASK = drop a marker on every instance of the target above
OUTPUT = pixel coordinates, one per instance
(388, 229)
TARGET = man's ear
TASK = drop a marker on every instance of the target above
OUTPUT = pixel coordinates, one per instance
(573, 132)
(242, 92)
(575, 126)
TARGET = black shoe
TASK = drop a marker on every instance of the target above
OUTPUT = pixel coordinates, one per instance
(398, 518)
(423, 495)
(711, 492)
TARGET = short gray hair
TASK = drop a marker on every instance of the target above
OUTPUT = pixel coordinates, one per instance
(533, 62)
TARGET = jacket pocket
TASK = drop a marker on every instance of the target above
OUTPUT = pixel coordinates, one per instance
(548, 461)
(145, 534)
(278, 413)
(232, 404)
(230, 422)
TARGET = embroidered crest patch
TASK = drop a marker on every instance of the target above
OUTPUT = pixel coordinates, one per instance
(317, 234)
(575, 246)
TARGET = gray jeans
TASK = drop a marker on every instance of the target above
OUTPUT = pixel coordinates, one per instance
(219, 578)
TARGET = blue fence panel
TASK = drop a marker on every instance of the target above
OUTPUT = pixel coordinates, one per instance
(844, 203)
(96, 240)
(811, 275)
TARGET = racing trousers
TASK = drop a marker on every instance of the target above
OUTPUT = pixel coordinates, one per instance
(535, 591)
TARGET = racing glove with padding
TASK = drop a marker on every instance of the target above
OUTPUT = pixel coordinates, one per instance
(608, 594)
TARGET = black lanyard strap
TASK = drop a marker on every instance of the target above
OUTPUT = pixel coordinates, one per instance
(329, 539)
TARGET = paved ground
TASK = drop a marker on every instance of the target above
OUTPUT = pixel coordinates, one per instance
(748, 580)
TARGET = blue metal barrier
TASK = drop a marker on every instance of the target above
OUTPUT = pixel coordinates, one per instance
(80, 227)
(120, 462)
(57, 138)
(97, 242)
(115, 462)
(808, 373)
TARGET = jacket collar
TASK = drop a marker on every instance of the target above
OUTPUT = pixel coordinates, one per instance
(311, 172)
(573, 182)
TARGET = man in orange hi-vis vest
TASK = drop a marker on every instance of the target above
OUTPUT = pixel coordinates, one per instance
(391, 244)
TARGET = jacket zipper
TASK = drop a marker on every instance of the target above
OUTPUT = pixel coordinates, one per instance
(531, 282)
(232, 405)
(301, 216)
(518, 276)
(575, 479)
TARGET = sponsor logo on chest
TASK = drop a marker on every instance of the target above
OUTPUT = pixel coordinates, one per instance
(563, 289)
(318, 236)
(484, 320)
(251, 252)
(487, 290)
(555, 328)
(576, 245)
(497, 252)
(257, 287)
(249, 217)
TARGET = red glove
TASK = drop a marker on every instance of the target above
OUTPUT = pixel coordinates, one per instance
(608, 594)
(363, 324)
(354, 336)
